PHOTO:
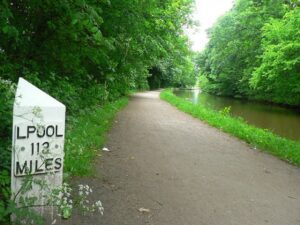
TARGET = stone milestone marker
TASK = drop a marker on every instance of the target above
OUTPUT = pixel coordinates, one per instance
(38, 146)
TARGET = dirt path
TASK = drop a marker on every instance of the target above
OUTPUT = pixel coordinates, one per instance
(187, 173)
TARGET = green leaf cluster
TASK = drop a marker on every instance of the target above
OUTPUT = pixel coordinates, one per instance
(253, 52)
(278, 76)
(85, 42)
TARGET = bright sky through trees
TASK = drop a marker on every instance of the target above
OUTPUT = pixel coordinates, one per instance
(206, 13)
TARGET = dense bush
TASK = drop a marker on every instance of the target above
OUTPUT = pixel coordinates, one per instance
(7, 92)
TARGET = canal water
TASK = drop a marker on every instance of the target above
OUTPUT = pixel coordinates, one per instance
(280, 120)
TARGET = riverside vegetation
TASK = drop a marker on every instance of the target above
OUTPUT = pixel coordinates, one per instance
(253, 52)
(88, 55)
(265, 140)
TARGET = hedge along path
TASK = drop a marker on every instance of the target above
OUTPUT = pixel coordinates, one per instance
(182, 171)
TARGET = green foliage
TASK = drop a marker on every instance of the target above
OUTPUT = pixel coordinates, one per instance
(253, 52)
(175, 71)
(7, 92)
(85, 134)
(111, 42)
(283, 148)
(277, 78)
(226, 110)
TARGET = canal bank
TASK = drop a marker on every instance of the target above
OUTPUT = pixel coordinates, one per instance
(283, 121)
(283, 148)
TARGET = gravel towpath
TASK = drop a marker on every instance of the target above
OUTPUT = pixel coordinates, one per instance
(179, 171)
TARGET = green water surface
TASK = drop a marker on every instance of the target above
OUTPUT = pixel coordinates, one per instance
(278, 119)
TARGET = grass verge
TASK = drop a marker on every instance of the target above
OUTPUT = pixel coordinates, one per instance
(265, 140)
(85, 135)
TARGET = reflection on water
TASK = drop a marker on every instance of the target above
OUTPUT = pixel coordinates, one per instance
(282, 121)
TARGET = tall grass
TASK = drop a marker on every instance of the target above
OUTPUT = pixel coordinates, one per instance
(86, 135)
(265, 140)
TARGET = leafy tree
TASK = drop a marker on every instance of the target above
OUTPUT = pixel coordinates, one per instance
(235, 47)
(277, 78)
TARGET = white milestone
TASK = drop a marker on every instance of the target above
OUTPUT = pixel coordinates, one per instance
(38, 146)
